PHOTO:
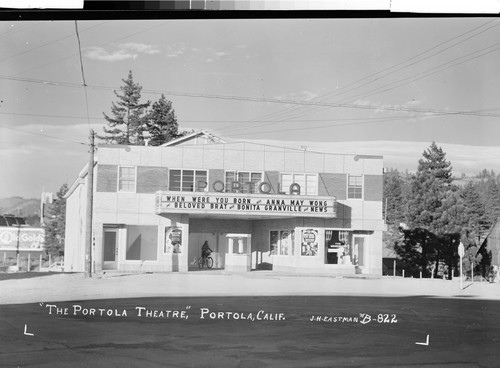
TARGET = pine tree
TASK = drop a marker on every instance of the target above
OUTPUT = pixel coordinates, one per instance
(474, 214)
(129, 115)
(448, 229)
(491, 200)
(428, 189)
(56, 225)
(162, 123)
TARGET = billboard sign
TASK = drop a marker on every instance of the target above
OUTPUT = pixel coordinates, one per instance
(21, 238)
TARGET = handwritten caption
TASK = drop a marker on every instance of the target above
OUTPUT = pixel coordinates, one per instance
(204, 313)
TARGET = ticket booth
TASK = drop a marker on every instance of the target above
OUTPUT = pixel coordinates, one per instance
(238, 256)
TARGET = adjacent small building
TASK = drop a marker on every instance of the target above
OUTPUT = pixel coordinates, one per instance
(258, 206)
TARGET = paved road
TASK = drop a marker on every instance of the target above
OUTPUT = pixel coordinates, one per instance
(250, 331)
(76, 286)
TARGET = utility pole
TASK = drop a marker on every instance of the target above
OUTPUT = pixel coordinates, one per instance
(90, 198)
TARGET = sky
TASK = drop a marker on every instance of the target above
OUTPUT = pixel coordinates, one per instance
(383, 86)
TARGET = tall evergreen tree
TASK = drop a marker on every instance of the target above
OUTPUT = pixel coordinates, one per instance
(129, 118)
(448, 229)
(424, 205)
(56, 225)
(162, 123)
(427, 189)
(473, 215)
(491, 200)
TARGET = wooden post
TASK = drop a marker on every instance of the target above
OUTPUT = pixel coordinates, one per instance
(90, 194)
(29, 262)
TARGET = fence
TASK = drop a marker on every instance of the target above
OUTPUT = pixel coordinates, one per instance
(28, 262)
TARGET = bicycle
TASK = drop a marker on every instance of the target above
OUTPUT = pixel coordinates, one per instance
(205, 261)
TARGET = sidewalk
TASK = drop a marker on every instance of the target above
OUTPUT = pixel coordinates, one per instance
(67, 287)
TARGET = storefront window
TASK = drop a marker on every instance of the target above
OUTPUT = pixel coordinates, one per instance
(273, 242)
(126, 179)
(339, 249)
(244, 178)
(142, 243)
(355, 186)
(308, 183)
(309, 242)
(285, 242)
(281, 242)
(187, 180)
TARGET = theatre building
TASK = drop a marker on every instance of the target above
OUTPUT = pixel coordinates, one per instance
(258, 206)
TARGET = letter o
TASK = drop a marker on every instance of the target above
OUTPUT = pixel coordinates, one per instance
(261, 187)
(221, 187)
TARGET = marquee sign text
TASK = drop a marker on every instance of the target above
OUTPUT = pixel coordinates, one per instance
(244, 204)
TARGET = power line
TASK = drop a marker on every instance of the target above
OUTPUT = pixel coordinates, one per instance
(439, 68)
(372, 121)
(381, 120)
(83, 74)
(43, 135)
(46, 44)
(103, 44)
(390, 69)
(272, 100)
(404, 64)
(190, 121)
(49, 116)
(11, 31)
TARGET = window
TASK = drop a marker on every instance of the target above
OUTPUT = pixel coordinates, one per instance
(126, 179)
(188, 180)
(355, 186)
(142, 243)
(281, 242)
(339, 249)
(308, 183)
(244, 178)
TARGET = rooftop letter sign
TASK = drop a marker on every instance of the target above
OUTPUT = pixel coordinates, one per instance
(245, 204)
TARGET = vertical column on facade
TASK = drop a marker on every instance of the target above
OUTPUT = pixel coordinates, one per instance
(230, 246)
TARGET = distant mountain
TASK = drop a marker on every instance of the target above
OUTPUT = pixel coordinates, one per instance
(20, 206)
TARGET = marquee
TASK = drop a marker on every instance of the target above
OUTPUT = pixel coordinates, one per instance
(245, 204)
